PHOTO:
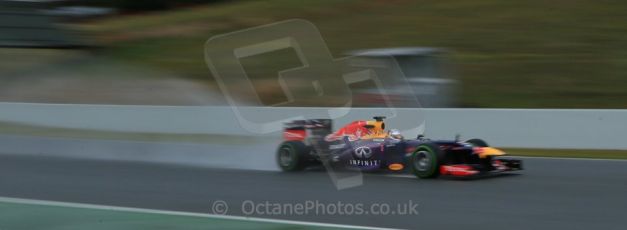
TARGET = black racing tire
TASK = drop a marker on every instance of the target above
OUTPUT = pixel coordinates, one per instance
(478, 143)
(425, 161)
(291, 156)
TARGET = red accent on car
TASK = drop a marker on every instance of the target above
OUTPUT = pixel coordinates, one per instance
(294, 135)
(499, 165)
(477, 150)
(410, 149)
(457, 170)
(354, 130)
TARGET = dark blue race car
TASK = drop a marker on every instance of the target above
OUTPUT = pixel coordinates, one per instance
(366, 145)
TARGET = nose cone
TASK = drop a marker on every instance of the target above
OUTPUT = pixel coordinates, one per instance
(488, 151)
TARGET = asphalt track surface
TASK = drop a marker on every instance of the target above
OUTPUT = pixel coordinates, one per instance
(549, 194)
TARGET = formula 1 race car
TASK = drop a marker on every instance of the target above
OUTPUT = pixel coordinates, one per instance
(366, 146)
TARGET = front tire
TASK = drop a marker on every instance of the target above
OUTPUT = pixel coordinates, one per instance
(426, 160)
(291, 156)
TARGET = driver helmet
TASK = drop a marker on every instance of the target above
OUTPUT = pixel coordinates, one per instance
(396, 134)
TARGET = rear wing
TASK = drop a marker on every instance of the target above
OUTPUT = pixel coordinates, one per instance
(300, 130)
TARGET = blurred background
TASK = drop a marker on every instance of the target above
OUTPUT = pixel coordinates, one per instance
(465, 53)
(75, 64)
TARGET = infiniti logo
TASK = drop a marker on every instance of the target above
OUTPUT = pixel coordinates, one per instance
(363, 152)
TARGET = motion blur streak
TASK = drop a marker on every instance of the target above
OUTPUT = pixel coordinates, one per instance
(238, 155)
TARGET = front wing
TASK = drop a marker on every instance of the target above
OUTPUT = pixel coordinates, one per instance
(469, 170)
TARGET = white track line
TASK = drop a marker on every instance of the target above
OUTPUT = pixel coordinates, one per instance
(178, 213)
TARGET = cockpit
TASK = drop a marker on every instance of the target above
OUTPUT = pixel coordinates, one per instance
(364, 130)
(376, 129)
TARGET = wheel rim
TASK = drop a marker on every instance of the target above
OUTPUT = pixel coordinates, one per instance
(285, 157)
(422, 161)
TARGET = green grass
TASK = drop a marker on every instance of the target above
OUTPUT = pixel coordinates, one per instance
(29, 130)
(511, 54)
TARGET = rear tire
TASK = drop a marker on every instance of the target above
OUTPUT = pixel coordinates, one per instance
(426, 160)
(291, 156)
(478, 143)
